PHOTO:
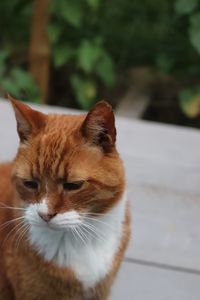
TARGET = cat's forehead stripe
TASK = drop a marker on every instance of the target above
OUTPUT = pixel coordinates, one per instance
(51, 153)
(37, 156)
(58, 168)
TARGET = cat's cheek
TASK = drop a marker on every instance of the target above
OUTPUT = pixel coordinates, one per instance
(31, 214)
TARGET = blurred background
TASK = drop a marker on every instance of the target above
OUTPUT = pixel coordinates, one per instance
(143, 56)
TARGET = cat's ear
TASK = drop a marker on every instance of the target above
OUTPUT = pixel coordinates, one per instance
(29, 121)
(99, 126)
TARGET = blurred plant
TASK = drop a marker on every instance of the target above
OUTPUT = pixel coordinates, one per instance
(14, 78)
(78, 44)
(17, 81)
(190, 97)
(190, 102)
(94, 42)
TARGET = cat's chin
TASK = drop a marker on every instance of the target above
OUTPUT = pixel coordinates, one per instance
(87, 254)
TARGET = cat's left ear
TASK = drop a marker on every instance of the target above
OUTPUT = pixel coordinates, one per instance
(99, 126)
(29, 121)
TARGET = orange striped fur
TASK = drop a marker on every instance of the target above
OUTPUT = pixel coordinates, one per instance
(54, 150)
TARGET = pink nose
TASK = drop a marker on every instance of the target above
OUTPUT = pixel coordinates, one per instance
(46, 217)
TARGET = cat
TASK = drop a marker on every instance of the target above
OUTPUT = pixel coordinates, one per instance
(64, 217)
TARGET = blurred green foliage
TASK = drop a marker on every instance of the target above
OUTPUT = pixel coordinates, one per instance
(190, 97)
(15, 24)
(95, 41)
(79, 43)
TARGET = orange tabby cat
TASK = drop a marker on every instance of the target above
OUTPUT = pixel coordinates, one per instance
(63, 213)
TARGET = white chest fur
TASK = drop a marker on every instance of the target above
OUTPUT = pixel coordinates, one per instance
(91, 256)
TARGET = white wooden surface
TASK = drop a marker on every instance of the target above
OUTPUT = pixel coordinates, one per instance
(163, 182)
(139, 282)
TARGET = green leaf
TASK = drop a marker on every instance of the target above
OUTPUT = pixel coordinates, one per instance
(9, 87)
(71, 11)
(62, 54)
(94, 4)
(54, 32)
(85, 90)
(22, 78)
(19, 82)
(190, 102)
(194, 31)
(105, 70)
(185, 6)
(88, 55)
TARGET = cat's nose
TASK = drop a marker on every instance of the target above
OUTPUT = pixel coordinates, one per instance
(46, 217)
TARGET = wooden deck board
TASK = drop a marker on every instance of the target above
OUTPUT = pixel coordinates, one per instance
(139, 282)
(165, 227)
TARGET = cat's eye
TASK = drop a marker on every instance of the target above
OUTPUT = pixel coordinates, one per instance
(31, 184)
(71, 186)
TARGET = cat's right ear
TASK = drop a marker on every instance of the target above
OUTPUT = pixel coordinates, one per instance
(29, 121)
(99, 126)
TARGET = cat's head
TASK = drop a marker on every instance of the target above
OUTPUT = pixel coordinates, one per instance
(67, 166)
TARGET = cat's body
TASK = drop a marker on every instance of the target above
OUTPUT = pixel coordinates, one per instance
(68, 239)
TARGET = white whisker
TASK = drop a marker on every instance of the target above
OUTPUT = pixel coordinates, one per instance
(23, 229)
(85, 235)
(10, 232)
(89, 233)
(99, 221)
(95, 230)
(2, 205)
(97, 214)
(79, 235)
(73, 233)
(4, 225)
